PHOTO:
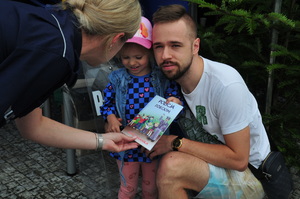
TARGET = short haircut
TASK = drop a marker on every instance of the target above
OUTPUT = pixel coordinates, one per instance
(172, 13)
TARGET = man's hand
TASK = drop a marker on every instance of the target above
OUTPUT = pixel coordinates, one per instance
(162, 146)
(117, 142)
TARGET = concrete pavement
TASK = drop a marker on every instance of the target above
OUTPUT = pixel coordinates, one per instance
(30, 170)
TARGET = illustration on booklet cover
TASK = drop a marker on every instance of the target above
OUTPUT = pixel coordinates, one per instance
(152, 121)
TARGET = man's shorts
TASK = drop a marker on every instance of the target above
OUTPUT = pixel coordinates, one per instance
(231, 184)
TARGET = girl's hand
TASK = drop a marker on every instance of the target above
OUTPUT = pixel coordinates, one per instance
(174, 99)
(113, 124)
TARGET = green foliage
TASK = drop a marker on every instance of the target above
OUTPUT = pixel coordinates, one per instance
(239, 33)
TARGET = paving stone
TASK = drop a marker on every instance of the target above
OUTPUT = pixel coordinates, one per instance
(33, 171)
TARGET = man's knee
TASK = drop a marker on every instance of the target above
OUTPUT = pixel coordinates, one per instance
(169, 165)
(186, 170)
(167, 170)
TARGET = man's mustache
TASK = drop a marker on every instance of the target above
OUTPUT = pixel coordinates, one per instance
(166, 63)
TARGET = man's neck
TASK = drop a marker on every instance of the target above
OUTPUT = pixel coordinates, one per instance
(192, 77)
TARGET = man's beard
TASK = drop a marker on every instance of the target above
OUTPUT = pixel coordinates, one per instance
(179, 73)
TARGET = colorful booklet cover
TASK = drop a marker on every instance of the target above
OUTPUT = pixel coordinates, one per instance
(152, 121)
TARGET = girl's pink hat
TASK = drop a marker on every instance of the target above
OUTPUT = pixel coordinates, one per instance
(143, 36)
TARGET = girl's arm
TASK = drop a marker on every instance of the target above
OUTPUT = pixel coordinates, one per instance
(108, 110)
(173, 93)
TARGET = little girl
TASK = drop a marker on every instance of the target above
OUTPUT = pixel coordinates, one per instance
(128, 92)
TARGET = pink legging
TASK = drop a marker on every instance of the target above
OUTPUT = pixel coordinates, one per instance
(131, 173)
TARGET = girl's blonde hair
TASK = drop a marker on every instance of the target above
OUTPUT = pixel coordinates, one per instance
(106, 18)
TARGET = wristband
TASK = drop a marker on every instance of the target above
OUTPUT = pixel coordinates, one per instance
(99, 141)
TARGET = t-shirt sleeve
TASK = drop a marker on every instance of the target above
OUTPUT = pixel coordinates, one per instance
(233, 108)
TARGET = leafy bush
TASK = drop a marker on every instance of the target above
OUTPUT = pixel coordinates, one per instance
(261, 39)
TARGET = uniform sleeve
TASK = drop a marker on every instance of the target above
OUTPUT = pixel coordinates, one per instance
(28, 77)
(108, 106)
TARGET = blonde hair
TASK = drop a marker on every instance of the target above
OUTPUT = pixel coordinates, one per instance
(106, 18)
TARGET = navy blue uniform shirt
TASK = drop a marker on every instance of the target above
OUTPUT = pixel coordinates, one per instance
(39, 52)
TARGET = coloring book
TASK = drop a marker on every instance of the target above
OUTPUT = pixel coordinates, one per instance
(152, 121)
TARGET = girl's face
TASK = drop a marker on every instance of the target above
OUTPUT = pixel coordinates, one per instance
(136, 59)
